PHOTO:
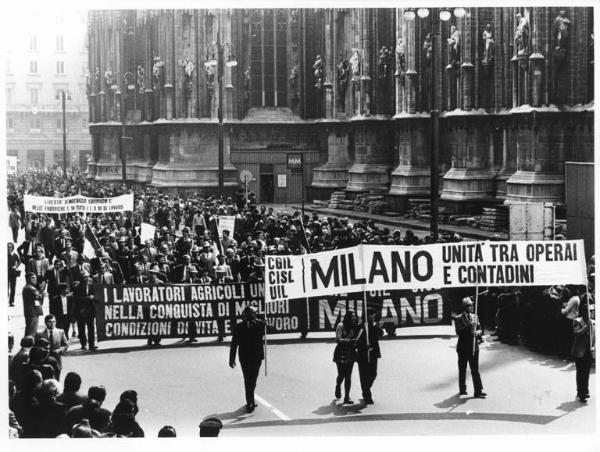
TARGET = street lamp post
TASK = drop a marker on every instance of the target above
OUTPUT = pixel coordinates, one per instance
(437, 14)
(219, 62)
(63, 98)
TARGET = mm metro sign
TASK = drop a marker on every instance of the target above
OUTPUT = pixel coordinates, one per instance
(294, 161)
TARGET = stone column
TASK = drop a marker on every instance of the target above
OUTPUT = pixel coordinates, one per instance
(333, 175)
(170, 62)
(329, 64)
(541, 134)
(108, 166)
(365, 67)
(188, 158)
(373, 156)
(471, 177)
(411, 178)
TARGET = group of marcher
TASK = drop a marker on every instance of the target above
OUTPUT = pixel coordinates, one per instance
(188, 247)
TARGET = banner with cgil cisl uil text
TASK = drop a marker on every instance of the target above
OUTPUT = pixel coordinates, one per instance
(437, 266)
(142, 311)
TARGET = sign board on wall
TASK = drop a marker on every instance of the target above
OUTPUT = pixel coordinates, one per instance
(282, 180)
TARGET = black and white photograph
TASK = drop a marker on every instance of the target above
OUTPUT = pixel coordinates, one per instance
(366, 223)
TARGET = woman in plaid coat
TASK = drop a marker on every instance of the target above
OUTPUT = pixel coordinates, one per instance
(344, 354)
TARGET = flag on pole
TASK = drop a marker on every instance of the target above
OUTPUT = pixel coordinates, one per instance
(303, 239)
(88, 249)
(214, 234)
(91, 238)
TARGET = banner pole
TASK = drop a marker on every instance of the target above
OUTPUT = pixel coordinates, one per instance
(265, 319)
(366, 323)
(591, 329)
(476, 319)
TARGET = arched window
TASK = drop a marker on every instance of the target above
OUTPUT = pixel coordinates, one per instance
(268, 58)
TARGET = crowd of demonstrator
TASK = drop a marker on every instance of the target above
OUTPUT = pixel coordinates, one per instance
(188, 248)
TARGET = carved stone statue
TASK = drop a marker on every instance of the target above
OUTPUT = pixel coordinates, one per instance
(343, 77)
(97, 82)
(400, 58)
(158, 69)
(295, 82)
(88, 84)
(561, 30)
(318, 72)
(428, 49)
(488, 45)
(188, 72)
(522, 35)
(140, 79)
(355, 66)
(109, 78)
(210, 78)
(384, 62)
(454, 46)
(247, 74)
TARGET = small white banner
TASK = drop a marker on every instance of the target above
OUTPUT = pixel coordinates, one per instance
(11, 165)
(147, 232)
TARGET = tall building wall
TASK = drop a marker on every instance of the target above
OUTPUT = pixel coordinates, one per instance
(516, 99)
(47, 53)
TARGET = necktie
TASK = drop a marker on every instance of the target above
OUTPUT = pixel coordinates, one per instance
(51, 339)
(57, 278)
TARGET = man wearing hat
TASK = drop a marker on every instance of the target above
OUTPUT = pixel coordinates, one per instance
(258, 275)
(248, 335)
(210, 427)
(469, 334)
(368, 354)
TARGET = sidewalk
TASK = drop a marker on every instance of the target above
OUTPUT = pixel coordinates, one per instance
(465, 232)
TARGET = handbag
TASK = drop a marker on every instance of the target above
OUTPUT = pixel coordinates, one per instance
(580, 326)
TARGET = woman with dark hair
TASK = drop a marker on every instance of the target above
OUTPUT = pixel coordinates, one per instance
(344, 354)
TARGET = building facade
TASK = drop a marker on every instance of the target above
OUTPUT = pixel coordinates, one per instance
(47, 55)
(352, 90)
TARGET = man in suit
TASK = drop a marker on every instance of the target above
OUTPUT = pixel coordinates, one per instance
(248, 335)
(39, 265)
(81, 267)
(69, 255)
(61, 307)
(32, 307)
(26, 251)
(104, 276)
(367, 356)
(60, 243)
(57, 339)
(137, 277)
(46, 237)
(14, 221)
(469, 334)
(184, 273)
(54, 277)
(84, 312)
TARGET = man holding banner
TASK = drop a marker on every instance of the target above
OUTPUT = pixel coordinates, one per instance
(469, 334)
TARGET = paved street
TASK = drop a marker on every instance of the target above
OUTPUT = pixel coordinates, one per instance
(415, 393)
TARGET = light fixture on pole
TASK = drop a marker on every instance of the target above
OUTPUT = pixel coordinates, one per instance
(437, 14)
(63, 96)
(219, 63)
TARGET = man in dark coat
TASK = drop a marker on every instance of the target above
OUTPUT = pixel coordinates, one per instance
(84, 312)
(469, 336)
(48, 415)
(92, 410)
(54, 276)
(367, 356)
(248, 335)
(32, 300)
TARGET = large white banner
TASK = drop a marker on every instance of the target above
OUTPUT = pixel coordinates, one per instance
(147, 231)
(47, 204)
(444, 265)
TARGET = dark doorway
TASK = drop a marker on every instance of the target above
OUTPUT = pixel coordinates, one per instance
(267, 187)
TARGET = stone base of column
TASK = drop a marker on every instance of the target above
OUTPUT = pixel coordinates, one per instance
(185, 176)
(531, 186)
(140, 171)
(107, 171)
(368, 176)
(468, 185)
(410, 181)
(501, 179)
(331, 176)
(91, 171)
